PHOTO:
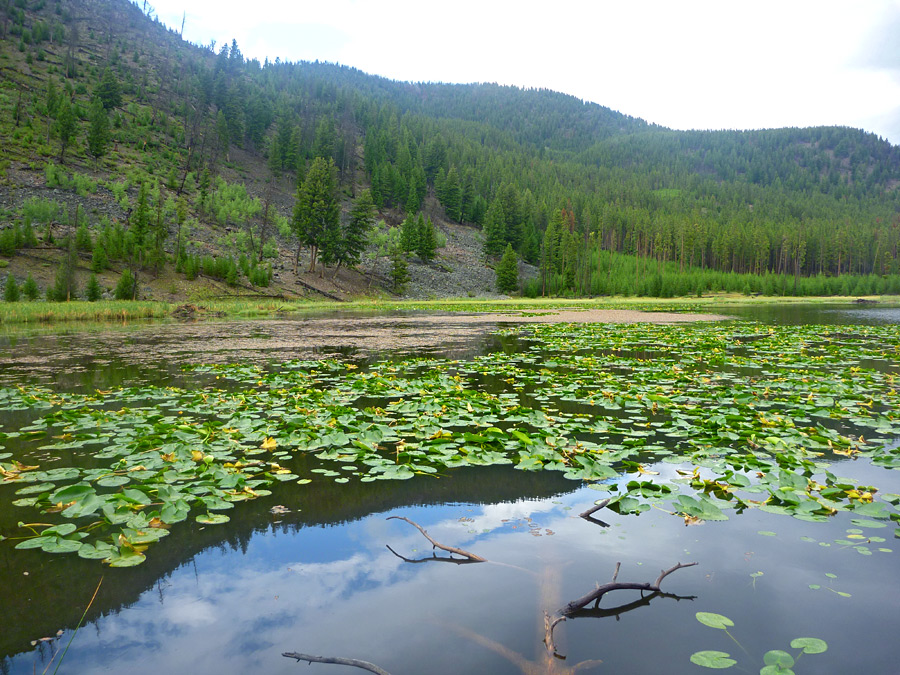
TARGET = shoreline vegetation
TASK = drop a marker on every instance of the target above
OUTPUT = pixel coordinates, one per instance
(117, 311)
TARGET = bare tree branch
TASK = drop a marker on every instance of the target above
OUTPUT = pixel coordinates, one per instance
(433, 558)
(601, 590)
(596, 507)
(449, 549)
(365, 665)
(550, 621)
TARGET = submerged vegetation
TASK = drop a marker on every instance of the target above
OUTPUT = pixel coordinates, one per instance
(750, 417)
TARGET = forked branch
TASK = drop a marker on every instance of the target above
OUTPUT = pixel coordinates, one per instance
(449, 549)
(600, 591)
(550, 621)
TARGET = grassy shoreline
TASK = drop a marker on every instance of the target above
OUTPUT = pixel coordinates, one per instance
(116, 311)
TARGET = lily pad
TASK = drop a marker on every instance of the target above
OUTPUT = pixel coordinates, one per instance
(714, 620)
(712, 659)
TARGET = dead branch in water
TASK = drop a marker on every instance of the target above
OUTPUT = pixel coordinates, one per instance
(365, 665)
(589, 514)
(433, 558)
(600, 591)
(550, 621)
(596, 507)
(450, 549)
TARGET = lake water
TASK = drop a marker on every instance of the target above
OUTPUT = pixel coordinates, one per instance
(317, 576)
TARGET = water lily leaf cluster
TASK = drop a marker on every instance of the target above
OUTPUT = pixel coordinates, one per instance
(774, 661)
(748, 417)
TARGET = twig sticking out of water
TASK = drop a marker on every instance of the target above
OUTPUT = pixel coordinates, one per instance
(596, 507)
(449, 549)
(595, 596)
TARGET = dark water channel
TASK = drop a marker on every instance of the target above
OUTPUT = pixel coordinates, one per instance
(318, 578)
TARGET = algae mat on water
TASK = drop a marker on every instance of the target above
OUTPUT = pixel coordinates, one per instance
(750, 416)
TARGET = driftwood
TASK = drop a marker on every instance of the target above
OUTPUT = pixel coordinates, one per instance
(450, 549)
(600, 591)
(550, 621)
(365, 665)
(596, 507)
(434, 558)
(589, 514)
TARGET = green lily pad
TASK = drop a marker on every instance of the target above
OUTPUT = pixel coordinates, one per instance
(714, 620)
(713, 659)
(809, 645)
(778, 658)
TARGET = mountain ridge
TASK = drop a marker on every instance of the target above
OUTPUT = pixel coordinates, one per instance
(808, 201)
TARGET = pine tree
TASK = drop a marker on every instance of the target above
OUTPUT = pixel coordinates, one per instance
(93, 292)
(99, 259)
(362, 218)
(323, 145)
(65, 126)
(409, 234)
(83, 238)
(451, 196)
(108, 90)
(508, 271)
(426, 243)
(98, 131)
(30, 289)
(126, 289)
(11, 290)
(494, 229)
(399, 270)
(316, 209)
(65, 287)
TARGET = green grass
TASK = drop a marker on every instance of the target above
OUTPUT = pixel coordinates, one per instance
(104, 310)
(116, 311)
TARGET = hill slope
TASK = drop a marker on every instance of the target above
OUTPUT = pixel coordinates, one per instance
(219, 143)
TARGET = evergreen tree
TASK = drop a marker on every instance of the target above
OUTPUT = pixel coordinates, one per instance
(451, 195)
(399, 270)
(323, 146)
(99, 258)
(108, 90)
(11, 290)
(508, 271)
(65, 126)
(409, 234)
(65, 287)
(93, 292)
(426, 241)
(52, 99)
(126, 288)
(508, 195)
(362, 218)
(98, 131)
(83, 238)
(30, 289)
(494, 229)
(316, 209)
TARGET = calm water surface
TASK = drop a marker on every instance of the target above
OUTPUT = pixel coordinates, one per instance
(320, 579)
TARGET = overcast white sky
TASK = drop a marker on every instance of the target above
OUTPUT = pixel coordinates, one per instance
(685, 64)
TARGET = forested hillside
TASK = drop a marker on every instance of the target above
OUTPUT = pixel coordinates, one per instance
(192, 156)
